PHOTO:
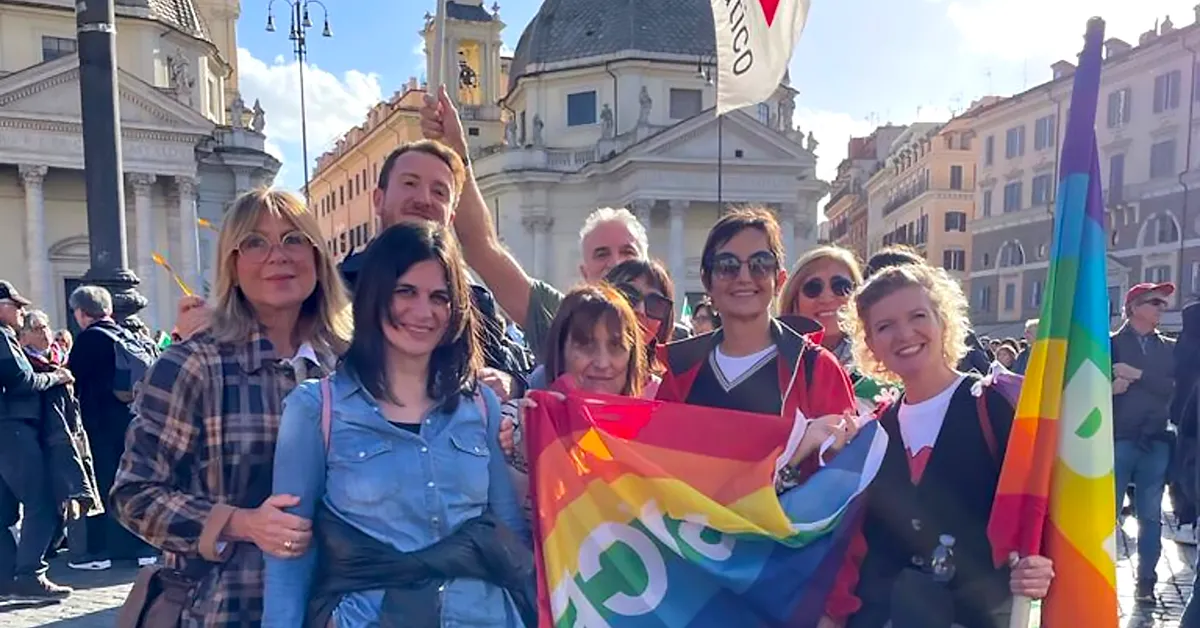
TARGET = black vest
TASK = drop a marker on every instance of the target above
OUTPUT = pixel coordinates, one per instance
(903, 520)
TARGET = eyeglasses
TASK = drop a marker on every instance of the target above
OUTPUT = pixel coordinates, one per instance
(657, 306)
(1155, 302)
(256, 248)
(762, 264)
(839, 285)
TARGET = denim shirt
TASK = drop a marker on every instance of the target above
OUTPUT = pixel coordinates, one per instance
(404, 489)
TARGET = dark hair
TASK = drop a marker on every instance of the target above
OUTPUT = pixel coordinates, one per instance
(733, 223)
(889, 256)
(706, 304)
(457, 358)
(656, 275)
(430, 147)
(581, 309)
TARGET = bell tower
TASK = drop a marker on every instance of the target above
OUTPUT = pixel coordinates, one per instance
(221, 16)
(470, 66)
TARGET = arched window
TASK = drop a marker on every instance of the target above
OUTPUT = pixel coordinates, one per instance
(1011, 254)
(1160, 229)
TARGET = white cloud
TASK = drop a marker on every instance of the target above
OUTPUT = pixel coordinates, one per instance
(333, 104)
(1047, 30)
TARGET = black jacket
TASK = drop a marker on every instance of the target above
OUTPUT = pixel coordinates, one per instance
(954, 497)
(350, 562)
(21, 399)
(65, 444)
(1142, 412)
(93, 362)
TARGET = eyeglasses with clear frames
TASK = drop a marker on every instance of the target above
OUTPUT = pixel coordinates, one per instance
(256, 248)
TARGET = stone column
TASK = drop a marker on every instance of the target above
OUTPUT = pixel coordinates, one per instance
(451, 76)
(189, 232)
(676, 255)
(539, 228)
(641, 208)
(143, 215)
(33, 178)
(485, 74)
(787, 225)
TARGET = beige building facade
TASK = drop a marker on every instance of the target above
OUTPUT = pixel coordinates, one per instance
(189, 145)
(1146, 120)
(922, 195)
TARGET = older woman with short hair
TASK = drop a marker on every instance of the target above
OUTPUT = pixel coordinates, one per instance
(195, 480)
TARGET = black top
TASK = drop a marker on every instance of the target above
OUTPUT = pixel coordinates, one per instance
(954, 497)
(757, 390)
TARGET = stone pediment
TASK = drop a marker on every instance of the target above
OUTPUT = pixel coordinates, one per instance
(49, 92)
(698, 138)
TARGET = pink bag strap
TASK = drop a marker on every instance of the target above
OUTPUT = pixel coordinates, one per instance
(326, 409)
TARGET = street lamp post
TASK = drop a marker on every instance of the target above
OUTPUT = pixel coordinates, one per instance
(95, 25)
(298, 33)
(706, 68)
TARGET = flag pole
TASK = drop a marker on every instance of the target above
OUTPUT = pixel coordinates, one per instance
(439, 49)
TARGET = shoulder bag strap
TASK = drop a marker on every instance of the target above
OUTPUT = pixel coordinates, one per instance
(985, 425)
(326, 410)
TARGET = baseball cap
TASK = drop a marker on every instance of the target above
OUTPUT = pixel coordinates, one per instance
(7, 291)
(1142, 289)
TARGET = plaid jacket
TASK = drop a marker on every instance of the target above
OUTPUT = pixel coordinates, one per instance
(202, 443)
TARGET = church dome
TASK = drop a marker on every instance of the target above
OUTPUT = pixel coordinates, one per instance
(564, 30)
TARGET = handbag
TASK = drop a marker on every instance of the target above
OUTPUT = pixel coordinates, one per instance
(157, 600)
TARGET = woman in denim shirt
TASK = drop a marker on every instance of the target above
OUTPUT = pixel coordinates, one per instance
(409, 459)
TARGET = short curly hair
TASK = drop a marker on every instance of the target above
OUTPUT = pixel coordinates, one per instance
(949, 305)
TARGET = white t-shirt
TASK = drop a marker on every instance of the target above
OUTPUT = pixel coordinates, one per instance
(734, 368)
(921, 422)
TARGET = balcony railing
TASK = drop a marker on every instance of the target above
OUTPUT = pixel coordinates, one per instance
(905, 197)
(853, 188)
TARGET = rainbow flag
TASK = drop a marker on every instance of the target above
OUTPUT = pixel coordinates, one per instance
(1056, 495)
(653, 515)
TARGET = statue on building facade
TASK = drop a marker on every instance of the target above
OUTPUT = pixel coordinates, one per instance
(644, 103)
(258, 121)
(510, 133)
(606, 122)
(812, 142)
(237, 112)
(180, 75)
(787, 110)
(538, 125)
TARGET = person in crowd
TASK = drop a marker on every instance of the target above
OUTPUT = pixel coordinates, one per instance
(1143, 383)
(1022, 362)
(819, 285)
(106, 418)
(608, 237)
(704, 318)
(405, 403)
(418, 181)
(63, 340)
(978, 357)
(754, 363)
(909, 324)
(62, 437)
(1006, 354)
(195, 480)
(1185, 477)
(23, 468)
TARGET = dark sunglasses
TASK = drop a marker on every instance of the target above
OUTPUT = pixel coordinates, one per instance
(762, 264)
(657, 306)
(839, 285)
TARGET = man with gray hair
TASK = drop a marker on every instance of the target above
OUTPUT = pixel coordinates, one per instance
(106, 417)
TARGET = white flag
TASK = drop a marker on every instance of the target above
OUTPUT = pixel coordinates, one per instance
(755, 39)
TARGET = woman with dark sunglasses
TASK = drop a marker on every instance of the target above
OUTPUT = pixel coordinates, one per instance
(820, 285)
(756, 364)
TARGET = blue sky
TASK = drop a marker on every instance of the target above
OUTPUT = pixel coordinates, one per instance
(859, 63)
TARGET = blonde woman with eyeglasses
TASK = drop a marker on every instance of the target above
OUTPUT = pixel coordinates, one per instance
(195, 480)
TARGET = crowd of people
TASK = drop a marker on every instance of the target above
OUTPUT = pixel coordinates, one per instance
(344, 441)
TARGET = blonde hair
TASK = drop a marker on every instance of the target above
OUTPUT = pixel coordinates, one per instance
(949, 306)
(325, 317)
(803, 267)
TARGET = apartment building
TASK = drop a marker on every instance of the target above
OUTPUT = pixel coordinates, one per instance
(1147, 106)
(846, 209)
(922, 196)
